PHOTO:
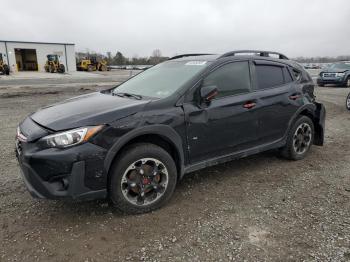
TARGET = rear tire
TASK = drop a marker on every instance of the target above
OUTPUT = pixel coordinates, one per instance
(134, 186)
(61, 69)
(299, 140)
(6, 70)
(348, 102)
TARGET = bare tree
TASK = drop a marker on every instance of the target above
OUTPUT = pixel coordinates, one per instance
(156, 53)
(156, 57)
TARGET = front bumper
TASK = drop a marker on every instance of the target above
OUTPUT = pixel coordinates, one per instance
(334, 81)
(76, 173)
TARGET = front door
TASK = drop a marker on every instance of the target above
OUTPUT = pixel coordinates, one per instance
(228, 123)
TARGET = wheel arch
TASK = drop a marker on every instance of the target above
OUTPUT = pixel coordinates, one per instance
(160, 135)
(347, 78)
(316, 113)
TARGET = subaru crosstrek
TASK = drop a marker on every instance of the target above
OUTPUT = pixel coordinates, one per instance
(133, 143)
(336, 74)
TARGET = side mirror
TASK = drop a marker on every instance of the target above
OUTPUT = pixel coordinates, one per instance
(208, 93)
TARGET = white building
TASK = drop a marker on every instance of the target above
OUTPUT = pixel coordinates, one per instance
(31, 56)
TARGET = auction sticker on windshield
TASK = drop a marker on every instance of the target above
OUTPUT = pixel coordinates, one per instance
(199, 63)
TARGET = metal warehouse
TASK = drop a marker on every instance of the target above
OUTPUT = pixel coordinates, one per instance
(32, 56)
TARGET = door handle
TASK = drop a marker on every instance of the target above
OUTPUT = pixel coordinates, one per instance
(249, 105)
(294, 97)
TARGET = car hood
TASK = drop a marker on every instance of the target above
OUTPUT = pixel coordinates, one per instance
(334, 70)
(86, 110)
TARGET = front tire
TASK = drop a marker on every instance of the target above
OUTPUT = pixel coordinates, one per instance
(347, 83)
(348, 102)
(299, 140)
(52, 69)
(143, 178)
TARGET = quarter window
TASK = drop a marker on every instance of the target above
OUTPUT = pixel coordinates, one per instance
(297, 74)
(287, 77)
(268, 76)
(230, 79)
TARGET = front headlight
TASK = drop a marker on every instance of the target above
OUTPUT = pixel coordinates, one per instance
(71, 137)
(340, 74)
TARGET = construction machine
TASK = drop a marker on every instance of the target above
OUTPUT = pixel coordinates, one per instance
(4, 68)
(53, 64)
(92, 64)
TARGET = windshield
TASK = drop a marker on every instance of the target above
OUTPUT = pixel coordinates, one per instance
(162, 80)
(51, 57)
(345, 66)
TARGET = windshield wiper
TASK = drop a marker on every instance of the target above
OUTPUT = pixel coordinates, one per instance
(138, 97)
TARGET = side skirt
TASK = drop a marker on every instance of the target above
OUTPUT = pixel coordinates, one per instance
(234, 156)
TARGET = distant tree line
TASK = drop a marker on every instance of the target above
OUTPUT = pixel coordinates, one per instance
(324, 59)
(119, 59)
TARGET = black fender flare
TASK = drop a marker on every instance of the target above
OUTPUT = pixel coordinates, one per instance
(164, 131)
(310, 108)
(317, 111)
(347, 74)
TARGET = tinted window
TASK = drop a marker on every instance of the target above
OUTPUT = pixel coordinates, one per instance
(230, 79)
(287, 77)
(268, 76)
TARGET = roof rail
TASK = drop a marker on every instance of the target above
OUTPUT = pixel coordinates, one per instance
(185, 55)
(255, 52)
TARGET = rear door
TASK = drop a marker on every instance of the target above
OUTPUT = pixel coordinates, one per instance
(225, 125)
(278, 99)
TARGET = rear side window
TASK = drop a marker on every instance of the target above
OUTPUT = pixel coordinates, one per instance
(230, 79)
(268, 76)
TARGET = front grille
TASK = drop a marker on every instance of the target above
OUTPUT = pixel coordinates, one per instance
(18, 147)
(328, 74)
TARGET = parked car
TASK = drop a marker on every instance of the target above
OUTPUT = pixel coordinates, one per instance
(312, 66)
(348, 102)
(133, 143)
(337, 73)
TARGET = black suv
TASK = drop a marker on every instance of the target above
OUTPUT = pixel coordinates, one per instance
(337, 74)
(134, 142)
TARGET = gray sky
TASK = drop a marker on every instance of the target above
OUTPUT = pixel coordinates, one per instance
(136, 27)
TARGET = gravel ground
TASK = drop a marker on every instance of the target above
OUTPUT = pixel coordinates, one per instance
(261, 208)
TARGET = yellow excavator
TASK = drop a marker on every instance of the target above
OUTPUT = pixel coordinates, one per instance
(4, 68)
(92, 64)
(53, 65)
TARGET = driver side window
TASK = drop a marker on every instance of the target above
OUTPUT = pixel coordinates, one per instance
(230, 79)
